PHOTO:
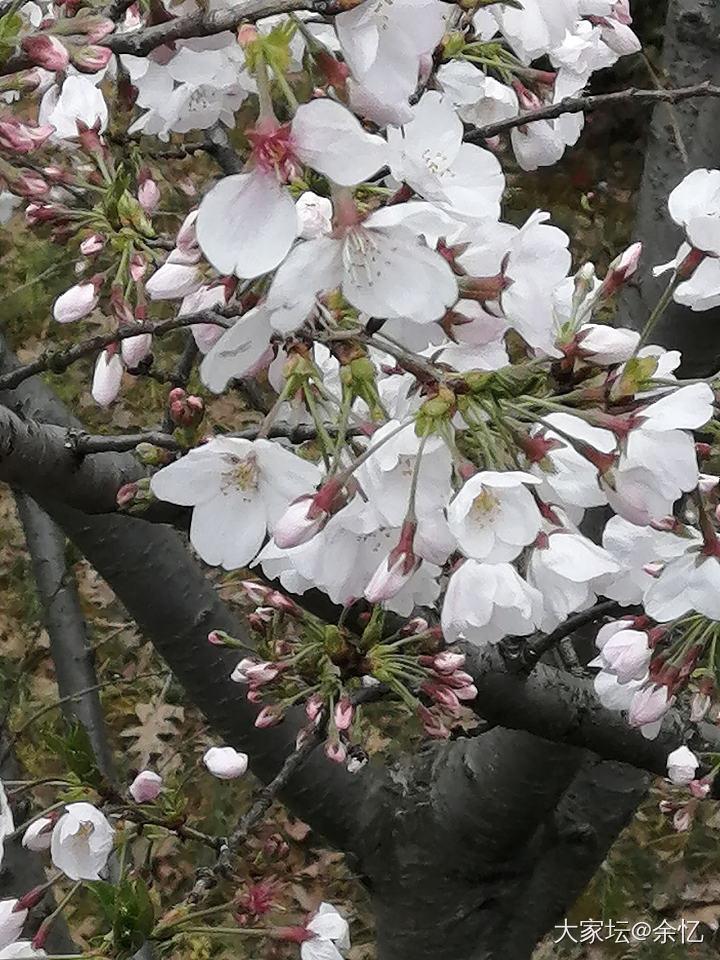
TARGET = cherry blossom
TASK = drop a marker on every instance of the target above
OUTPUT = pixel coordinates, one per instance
(238, 489)
(247, 222)
(81, 842)
(494, 515)
(488, 601)
(225, 762)
(681, 765)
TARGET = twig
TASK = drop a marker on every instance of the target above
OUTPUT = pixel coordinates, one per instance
(58, 361)
(531, 652)
(12, 740)
(590, 103)
(207, 878)
(201, 24)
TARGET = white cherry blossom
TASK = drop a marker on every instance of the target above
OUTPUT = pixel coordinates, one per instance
(238, 489)
(494, 515)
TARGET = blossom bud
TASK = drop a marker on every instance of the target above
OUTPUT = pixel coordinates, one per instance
(314, 216)
(135, 349)
(38, 835)
(27, 183)
(47, 51)
(107, 378)
(627, 655)
(90, 59)
(258, 674)
(296, 525)
(681, 766)
(442, 695)
(335, 751)
(257, 592)
(699, 706)
(648, 705)
(313, 706)
(448, 662)
(186, 239)
(268, 716)
(699, 788)
(22, 138)
(78, 301)
(432, 724)
(225, 763)
(148, 195)
(343, 715)
(396, 570)
(92, 244)
(682, 819)
(621, 269)
(138, 266)
(146, 787)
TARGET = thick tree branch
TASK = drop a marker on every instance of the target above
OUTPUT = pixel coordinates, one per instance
(165, 591)
(38, 459)
(564, 708)
(69, 648)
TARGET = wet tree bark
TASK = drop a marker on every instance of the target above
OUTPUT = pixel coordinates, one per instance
(681, 139)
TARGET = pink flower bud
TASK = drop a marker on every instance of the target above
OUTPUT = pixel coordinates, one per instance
(146, 787)
(138, 266)
(700, 789)
(621, 269)
(135, 349)
(20, 137)
(468, 692)
(92, 244)
(432, 724)
(343, 715)
(257, 592)
(186, 239)
(258, 674)
(149, 195)
(648, 705)
(126, 494)
(699, 706)
(335, 751)
(107, 378)
(225, 763)
(77, 302)
(627, 655)
(682, 819)
(394, 572)
(38, 835)
(448, 662)
(268, 717)
(47, 51)
(313, 706)
(442, 695)
(29, 184)
(90, 59)
(295, 526)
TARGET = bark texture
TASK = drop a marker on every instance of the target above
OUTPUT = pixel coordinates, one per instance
(681, 138)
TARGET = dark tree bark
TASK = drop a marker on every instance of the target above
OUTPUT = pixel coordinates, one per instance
(69, 647)
(681, 138)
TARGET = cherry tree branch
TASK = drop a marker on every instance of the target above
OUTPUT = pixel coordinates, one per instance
(199, 24)
(588, 104)
(57, 360)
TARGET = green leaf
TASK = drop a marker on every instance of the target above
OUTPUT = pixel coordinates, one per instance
(10, 26)
(76, 751)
